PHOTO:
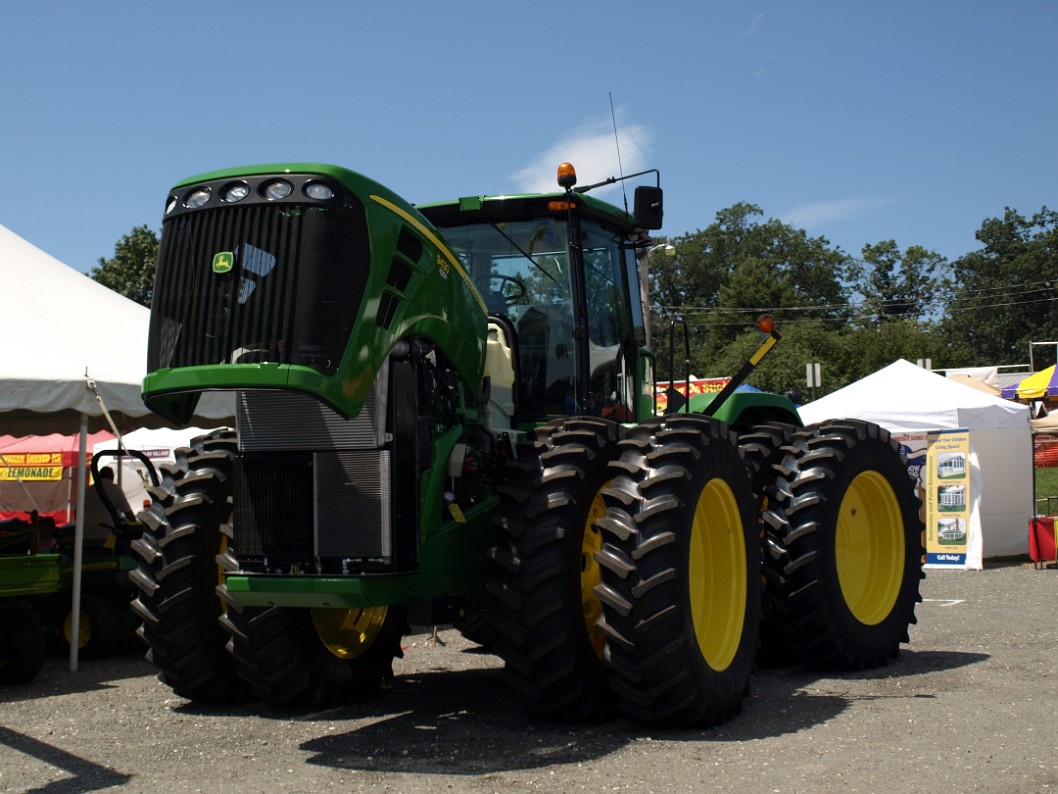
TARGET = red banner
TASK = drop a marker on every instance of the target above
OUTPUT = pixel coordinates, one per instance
(698, 386)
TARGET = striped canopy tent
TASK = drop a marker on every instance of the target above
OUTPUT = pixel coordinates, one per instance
(1042, 385)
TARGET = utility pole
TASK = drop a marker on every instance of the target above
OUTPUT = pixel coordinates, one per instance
(813, 377)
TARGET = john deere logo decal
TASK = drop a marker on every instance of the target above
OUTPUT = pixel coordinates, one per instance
(223, 262)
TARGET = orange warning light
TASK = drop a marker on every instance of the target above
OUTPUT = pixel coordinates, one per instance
(567, 175)
(766, 324)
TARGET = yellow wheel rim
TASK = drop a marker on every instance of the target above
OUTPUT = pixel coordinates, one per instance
(716, 575)
(347, 633)
(590, 574)
(84, 629)
(869, 548)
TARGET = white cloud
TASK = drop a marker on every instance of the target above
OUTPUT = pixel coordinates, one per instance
(820, 213)
(593, 152)
(755, 23)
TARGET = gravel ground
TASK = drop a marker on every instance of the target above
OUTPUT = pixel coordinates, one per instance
(970, 706)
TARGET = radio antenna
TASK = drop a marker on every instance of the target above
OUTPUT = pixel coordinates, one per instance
(617, 143)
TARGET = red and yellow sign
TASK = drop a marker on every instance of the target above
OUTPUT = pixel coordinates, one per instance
(31, 466)
(698, 386)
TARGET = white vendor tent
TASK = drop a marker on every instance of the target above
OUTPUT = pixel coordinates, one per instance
(157, 444)
(69, 329)
(76, 347)
(904, 398)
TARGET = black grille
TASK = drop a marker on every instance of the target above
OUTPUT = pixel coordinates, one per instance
(273, 507)
(352, 504)
(245, 284)
(321, 512)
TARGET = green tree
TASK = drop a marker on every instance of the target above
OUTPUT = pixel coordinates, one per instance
(779, 268)
(723, 276)
(875, 345)
(801, 343)
(899, 285)
(130, 272)
(1003, 295)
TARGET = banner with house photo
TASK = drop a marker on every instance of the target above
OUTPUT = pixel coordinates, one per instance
(948, 497)
(939, 460)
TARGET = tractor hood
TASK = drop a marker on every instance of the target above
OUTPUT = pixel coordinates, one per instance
(301, 277)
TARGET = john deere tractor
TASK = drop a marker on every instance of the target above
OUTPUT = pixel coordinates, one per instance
(446, 414)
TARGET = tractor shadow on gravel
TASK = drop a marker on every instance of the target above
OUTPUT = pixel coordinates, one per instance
(790, 699)
(92, 674)
(467, 722)
(85, 775)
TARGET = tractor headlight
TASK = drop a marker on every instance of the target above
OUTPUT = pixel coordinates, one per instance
(277, 189)
(170, 205)
(197, 198)
(236, 192)
(319, 191)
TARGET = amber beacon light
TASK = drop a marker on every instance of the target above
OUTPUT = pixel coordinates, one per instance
(567, 175)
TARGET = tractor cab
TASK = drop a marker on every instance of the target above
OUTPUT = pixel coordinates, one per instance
(559, 278)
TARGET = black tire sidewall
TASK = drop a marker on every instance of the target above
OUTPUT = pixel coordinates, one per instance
(660, 672)
(22, 645)
(177, 574)
(541, 523)
(730, 685)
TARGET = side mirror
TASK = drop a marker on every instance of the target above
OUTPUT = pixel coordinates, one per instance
(648, 209)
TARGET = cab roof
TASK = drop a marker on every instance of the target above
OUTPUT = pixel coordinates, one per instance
(510, 208)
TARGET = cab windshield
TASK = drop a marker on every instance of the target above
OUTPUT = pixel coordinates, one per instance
(524, 273)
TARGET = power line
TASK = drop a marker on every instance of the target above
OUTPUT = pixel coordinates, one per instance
(858, 310)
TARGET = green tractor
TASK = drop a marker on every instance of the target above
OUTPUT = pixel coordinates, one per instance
(445, 414)
(37, 574)
(28, 581)
(106, 625)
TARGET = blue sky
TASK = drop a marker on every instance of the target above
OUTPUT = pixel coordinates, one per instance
(857, 121)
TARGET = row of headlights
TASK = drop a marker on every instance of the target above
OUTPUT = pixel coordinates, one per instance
(272, 190)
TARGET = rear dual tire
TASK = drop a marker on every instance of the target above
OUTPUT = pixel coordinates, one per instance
(680, 582)
(842, 548)
(545, 611)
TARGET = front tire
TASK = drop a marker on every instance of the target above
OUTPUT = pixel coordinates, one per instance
(844, 548)
(22, 645)
(680, 573)
(545, 611)
(311, 657)
(178, 572)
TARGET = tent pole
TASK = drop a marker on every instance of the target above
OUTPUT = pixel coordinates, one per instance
(78, 546)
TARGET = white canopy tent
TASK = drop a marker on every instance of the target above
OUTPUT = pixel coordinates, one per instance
(157, 444)
(70, 329)
(904, 398)
(78, 347)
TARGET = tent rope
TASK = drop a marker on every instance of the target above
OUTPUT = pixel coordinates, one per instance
(92, 387)
(20, 481)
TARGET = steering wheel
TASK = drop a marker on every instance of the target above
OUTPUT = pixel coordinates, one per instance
(511, 289)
